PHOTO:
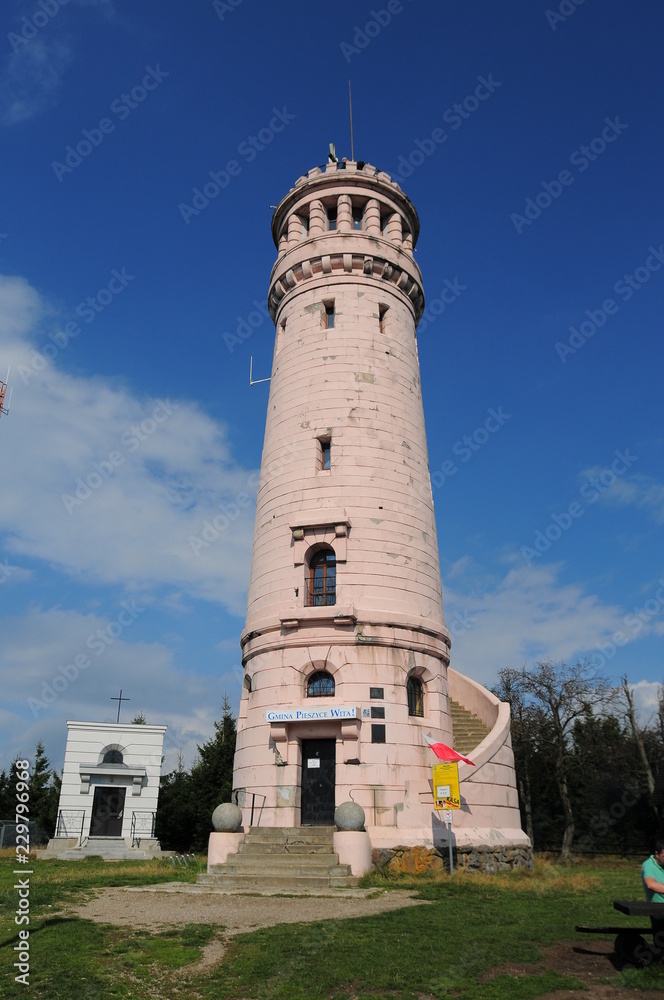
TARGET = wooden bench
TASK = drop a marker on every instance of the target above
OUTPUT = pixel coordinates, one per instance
(630, 945)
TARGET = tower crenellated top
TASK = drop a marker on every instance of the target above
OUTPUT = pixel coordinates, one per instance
(365, 183)
(346, 217)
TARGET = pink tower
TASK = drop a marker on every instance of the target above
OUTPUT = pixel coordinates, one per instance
(345, 650)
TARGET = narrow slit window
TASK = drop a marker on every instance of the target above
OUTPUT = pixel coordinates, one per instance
(358, 218)
(382, 318)
(328, 315)
(325, 453)
(281, 333)
(331, 218)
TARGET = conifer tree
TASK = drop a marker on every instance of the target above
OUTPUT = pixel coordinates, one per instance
(44, 792)
(212, 775)
(187, 800)
(174, 825)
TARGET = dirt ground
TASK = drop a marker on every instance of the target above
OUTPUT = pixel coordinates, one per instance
(158, 907)
(178, 903)
(592, 962)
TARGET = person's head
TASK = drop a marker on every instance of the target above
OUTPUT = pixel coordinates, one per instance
(659, 852)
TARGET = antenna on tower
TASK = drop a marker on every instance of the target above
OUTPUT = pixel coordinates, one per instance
(3, 390)
(350, 104)
(253, 381)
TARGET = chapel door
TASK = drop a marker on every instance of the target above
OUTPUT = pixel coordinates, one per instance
(318, 782)
(107, 812)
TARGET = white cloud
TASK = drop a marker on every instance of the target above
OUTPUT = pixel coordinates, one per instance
(631, 490)
(32, 76)
(527, 616)
(646, 701)
(43, 686)
(31, 79)
(110, 487)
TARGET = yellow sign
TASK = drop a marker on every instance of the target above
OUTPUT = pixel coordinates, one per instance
(446, 786)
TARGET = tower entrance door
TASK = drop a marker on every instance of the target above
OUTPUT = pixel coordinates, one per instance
(318, 782)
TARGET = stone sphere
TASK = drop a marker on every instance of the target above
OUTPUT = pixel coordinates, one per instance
(227, 818)
(349, 816)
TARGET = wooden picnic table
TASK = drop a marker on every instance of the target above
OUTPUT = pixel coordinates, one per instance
(630, 945)
(639, 908)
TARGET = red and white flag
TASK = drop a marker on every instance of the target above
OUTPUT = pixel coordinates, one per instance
(443, 752)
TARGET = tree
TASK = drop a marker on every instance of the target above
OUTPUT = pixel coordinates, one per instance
(564, 693)
(609, 796)
(175, 811)
(6, 807)
(187, 800)
(212, 775)
(524, 728)
(44, 792)
(637, 736)
(139, 720)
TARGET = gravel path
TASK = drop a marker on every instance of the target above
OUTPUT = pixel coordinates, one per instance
(179, 903)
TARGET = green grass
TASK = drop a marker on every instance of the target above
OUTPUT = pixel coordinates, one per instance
(481, 938)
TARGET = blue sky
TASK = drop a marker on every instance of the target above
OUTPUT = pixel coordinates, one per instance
(529, 138)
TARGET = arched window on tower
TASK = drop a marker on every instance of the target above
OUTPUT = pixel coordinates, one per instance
(320, 685)
(415, 693)
(322, 579)
(113, 757)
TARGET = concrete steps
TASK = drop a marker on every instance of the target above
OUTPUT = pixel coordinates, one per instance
(109, 848)
(283, 858)
(469, 731)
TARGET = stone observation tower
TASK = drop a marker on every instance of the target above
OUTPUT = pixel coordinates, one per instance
(345, 650)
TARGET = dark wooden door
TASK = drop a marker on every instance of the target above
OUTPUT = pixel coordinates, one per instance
(318, 779)
(107, 812)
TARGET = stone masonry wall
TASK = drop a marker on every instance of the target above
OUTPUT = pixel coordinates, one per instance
(483, 858)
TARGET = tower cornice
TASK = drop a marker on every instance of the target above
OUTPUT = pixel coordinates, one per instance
(390, 630)
(342, 258)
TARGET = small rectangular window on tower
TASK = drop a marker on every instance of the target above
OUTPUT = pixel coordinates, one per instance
(382, 318)
(328, 315)
(376, 693)
(377, 733)
(325, 452)
(358, 218)
(331, 218)
(281, 333)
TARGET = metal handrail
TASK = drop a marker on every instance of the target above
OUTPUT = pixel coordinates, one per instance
(70, 816)
(136, 841)
(254, 795)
